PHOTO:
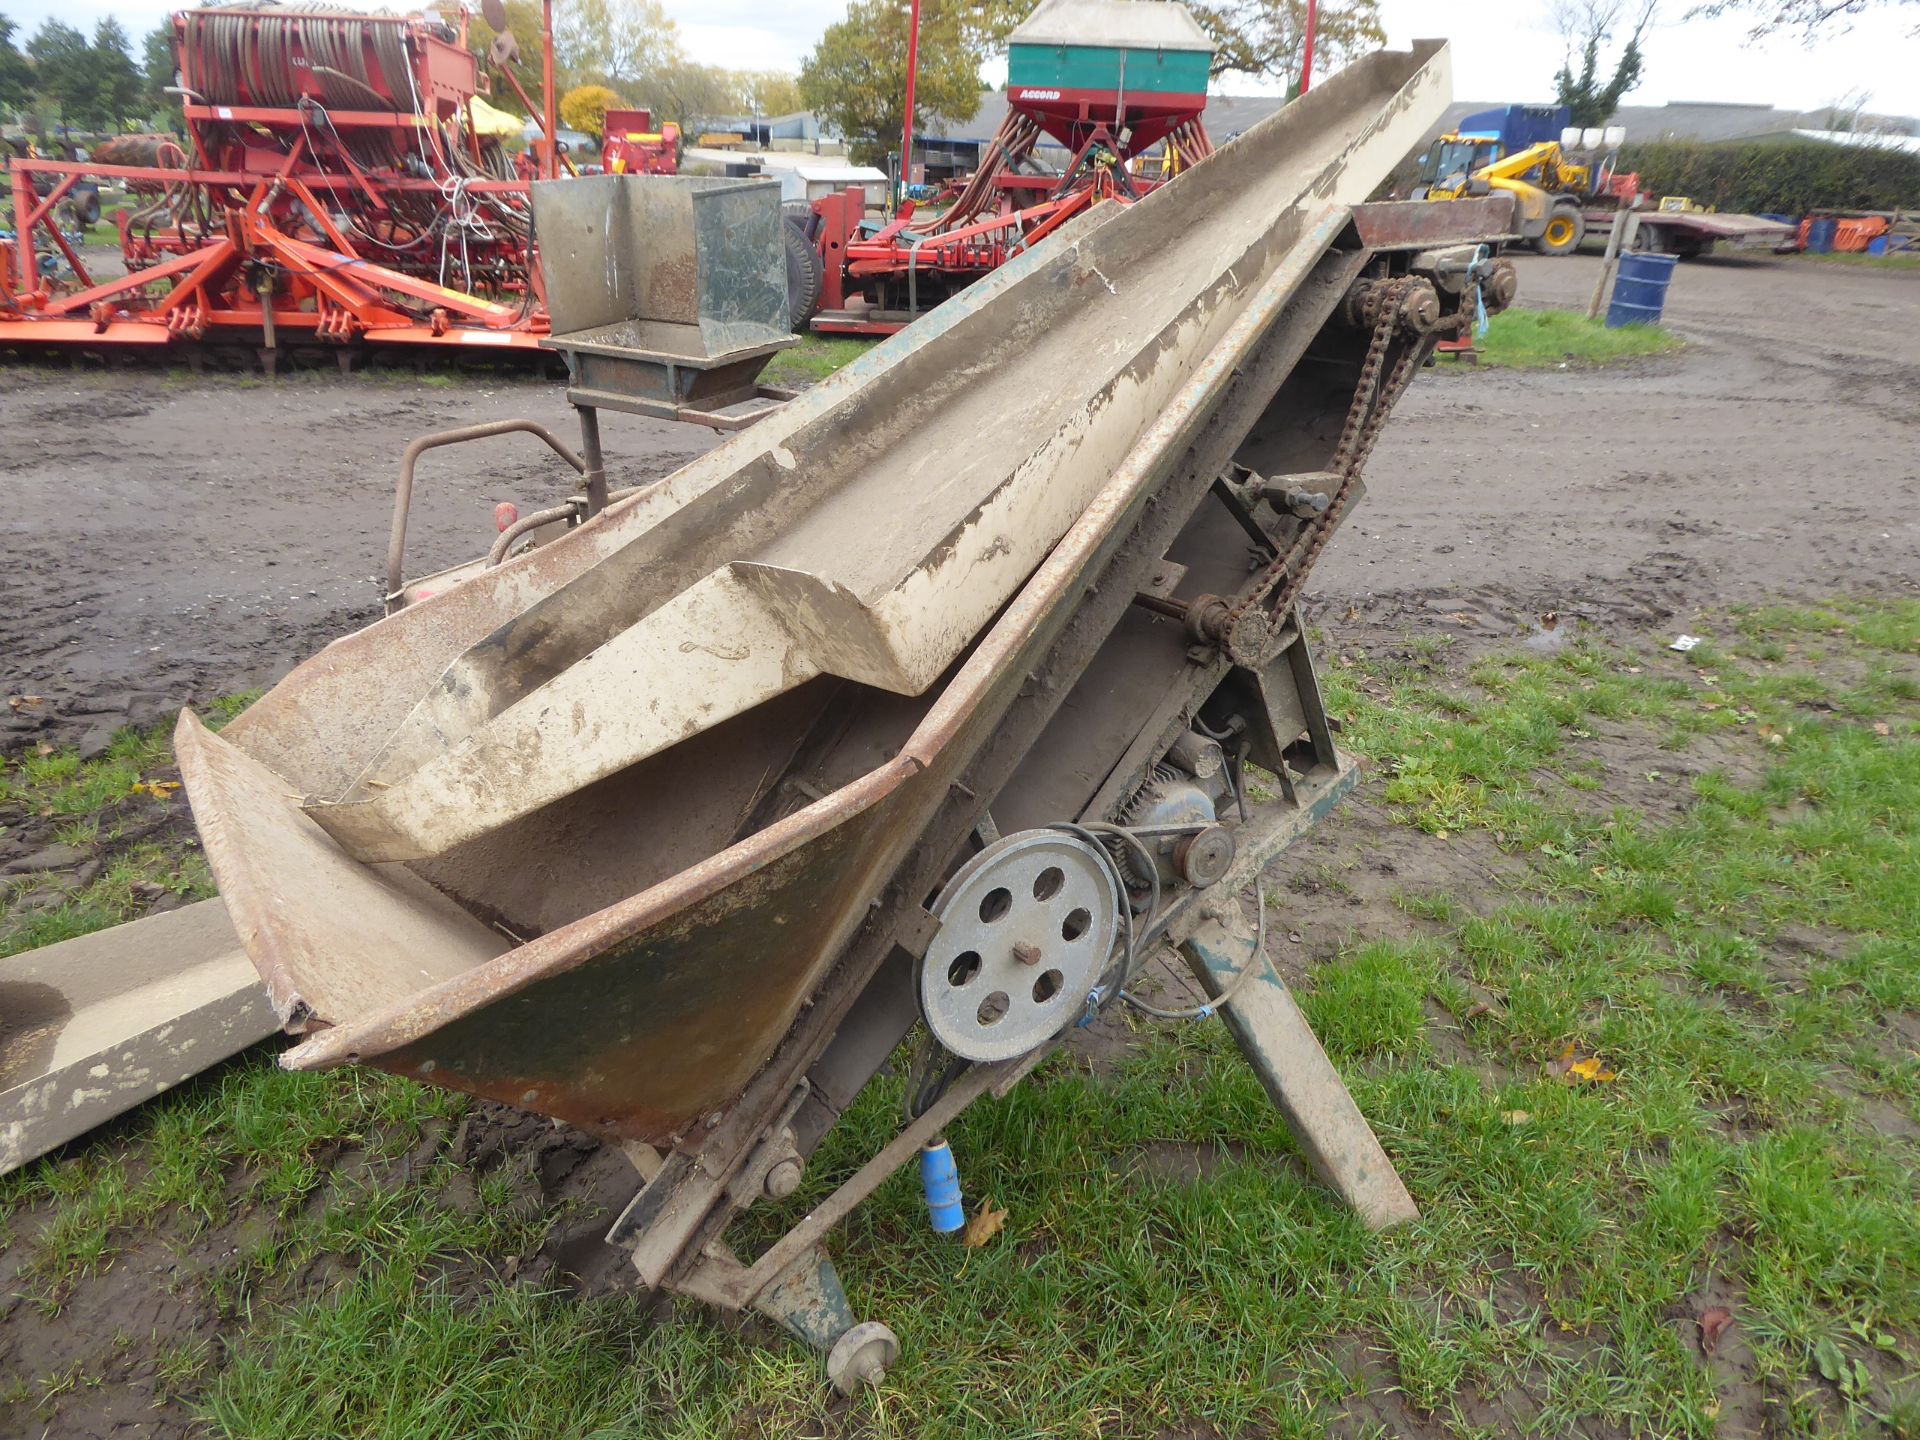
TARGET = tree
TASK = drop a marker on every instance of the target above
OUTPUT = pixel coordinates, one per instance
(584, 108)
(856, 77)
(523, 20)
(1806, 16)
(1587, 25)
(1267, 37)
(614, 42)
(766, 92)
(16, 71)
(987, 23)
(63, 70)
(687, 94)
(159, 67)
(117, 82)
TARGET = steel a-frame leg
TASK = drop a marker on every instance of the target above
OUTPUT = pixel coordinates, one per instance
(1293, 1068)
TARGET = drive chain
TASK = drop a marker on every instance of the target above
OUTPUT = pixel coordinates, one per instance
(1246, 636)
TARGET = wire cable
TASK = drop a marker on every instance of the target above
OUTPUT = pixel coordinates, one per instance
(1256, 961)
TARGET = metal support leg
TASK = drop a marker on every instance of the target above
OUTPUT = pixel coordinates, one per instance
(1297, 1076)
(594, 478)
(808, 1301)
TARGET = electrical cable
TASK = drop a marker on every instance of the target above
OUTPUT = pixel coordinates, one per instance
(1256, 960)
(1128, 940)
(928, 1076)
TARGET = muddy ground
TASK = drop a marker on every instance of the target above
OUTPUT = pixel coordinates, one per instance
(1776, 457)
(171, 538)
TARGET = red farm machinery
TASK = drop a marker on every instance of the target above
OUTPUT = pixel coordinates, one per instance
(338, 184)
(1118, 85)
(633, 146)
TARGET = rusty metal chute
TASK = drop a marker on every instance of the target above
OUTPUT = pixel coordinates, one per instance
(974, 442)
(646, 829)
(90, 1027)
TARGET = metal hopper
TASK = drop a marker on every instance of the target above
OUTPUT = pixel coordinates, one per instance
(674, 827)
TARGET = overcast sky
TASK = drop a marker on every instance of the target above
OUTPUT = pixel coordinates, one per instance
(1504, 49)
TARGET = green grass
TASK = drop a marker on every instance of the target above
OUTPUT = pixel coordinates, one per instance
(813, 359)
(1899, 260)
(107, 808)
(1742, 965)
(1547, 339)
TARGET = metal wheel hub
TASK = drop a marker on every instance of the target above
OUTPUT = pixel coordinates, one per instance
(1026, 927)
(862, 1356)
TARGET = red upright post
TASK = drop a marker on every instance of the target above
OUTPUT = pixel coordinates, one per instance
(906, 129)
(550, 149)
(1306, 61)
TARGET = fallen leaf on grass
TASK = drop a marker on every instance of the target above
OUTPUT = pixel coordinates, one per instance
(1880, 727)
(1572, 1068)
(159, 789)
(1515, 1117)
(43, 748)
(1714, 1321)
(984, 1225)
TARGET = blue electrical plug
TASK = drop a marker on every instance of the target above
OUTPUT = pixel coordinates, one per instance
(940, 1178)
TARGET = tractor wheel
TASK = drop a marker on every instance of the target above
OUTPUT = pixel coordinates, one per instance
(804, 274)
(89, 205)
(71, 220)
(1566, 228)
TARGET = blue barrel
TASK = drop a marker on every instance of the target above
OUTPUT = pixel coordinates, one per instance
(1640, 294)
(1820, 233)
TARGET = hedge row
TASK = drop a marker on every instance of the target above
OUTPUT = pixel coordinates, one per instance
(1784, 177)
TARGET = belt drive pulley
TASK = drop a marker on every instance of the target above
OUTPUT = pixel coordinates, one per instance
(1026, 927)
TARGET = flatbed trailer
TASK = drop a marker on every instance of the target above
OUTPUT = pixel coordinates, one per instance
(1688, 233)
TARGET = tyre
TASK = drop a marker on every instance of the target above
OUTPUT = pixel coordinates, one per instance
(1654, 240)
(1566, 228)
(70, 220)
(804, 274)
(88, 205)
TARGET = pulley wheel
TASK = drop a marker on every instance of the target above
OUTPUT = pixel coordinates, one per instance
(1026, 927)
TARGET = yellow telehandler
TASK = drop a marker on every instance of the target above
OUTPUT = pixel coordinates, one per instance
(1550, 192)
